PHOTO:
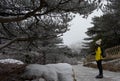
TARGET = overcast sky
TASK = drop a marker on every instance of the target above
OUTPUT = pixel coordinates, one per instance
(78, 27)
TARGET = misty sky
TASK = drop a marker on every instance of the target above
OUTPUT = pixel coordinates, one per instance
(78, 27)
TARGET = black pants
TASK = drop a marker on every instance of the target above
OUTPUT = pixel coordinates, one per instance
(99, 65)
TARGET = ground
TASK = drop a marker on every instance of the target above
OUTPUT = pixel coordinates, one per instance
(88, 74)
(82, 73)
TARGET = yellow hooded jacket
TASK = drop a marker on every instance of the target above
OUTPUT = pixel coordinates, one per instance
(98, 54)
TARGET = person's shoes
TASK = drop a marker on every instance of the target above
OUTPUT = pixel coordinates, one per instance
(99, 76)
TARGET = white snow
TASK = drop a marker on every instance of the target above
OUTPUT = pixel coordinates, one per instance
(50, 72)
(7, 61)
(64, 71)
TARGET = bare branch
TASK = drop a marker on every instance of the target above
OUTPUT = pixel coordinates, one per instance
(12, 41)
(7, 31)
(19, 18)
(2, 46)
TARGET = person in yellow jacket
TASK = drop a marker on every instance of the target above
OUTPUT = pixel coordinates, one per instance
(98, 58)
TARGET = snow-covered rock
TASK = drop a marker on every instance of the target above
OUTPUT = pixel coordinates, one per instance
(7, 61)
(50, 72)
(37, 71)
(63, 70)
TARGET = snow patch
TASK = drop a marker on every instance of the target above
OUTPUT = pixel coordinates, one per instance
(7, 61)
(50, 72)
